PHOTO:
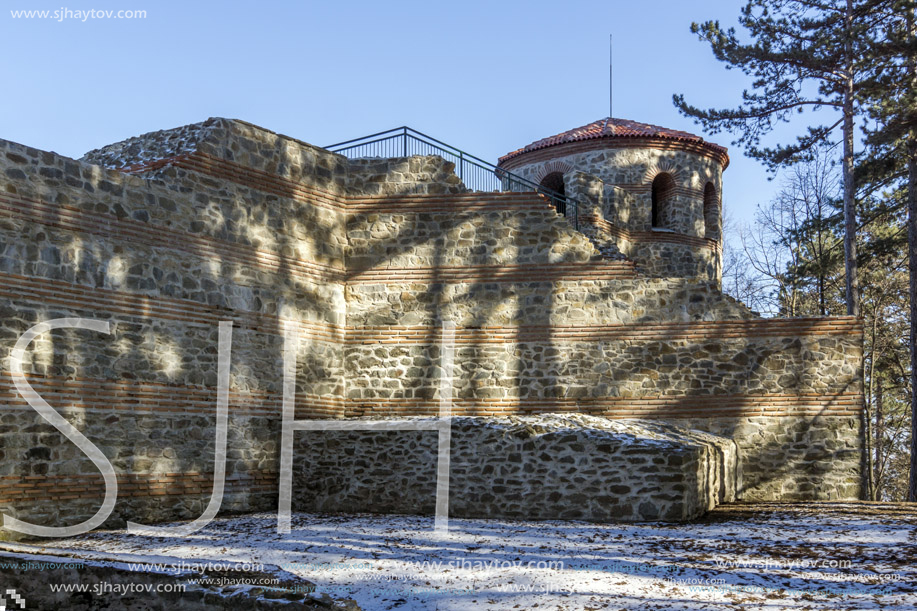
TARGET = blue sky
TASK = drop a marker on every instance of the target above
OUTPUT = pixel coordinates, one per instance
(487, 77)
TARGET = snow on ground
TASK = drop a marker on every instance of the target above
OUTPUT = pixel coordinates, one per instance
(764, 556)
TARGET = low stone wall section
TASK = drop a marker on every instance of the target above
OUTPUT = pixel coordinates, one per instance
(545, 467)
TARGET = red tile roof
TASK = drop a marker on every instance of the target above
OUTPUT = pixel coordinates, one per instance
(615, 128)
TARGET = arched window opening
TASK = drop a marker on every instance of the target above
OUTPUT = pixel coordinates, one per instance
(663, 193)
(555, 182)
(711, 212)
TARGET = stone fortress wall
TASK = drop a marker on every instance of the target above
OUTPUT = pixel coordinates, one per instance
(194, 237)
(166, 234)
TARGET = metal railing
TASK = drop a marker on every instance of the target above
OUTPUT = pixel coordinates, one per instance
(474, 172)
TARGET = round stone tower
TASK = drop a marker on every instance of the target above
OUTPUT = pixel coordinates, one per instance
(654, 191)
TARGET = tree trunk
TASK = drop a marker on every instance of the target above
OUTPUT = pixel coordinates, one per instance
(850, 224)
(870, 400)
(821, 295)
(912, 264)
(822, 267)
(877, 440)
(911, 152)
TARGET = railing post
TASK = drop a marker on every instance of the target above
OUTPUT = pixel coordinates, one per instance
(404, 137)
(461, 166)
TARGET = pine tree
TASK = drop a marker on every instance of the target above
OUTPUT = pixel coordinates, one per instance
(803, 55)
(891, 94)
